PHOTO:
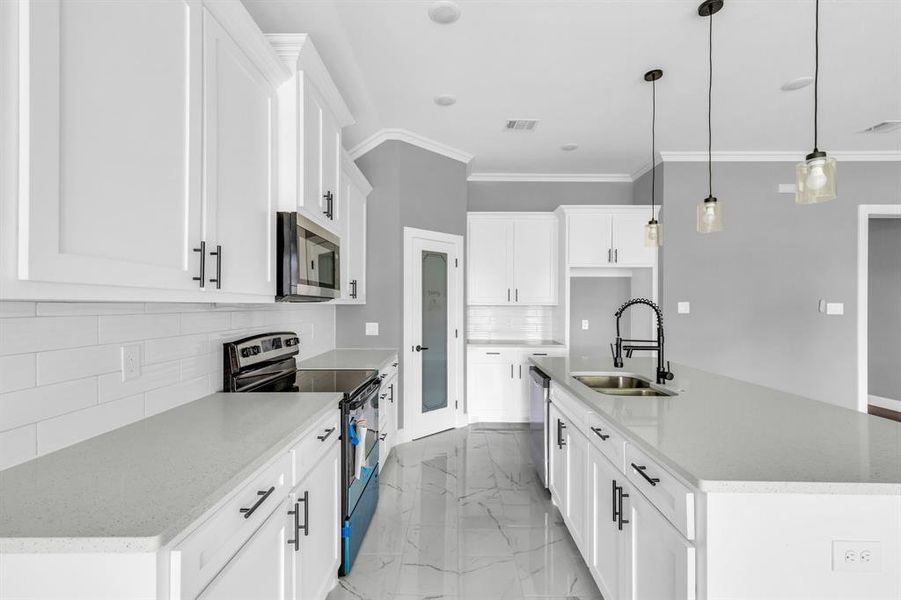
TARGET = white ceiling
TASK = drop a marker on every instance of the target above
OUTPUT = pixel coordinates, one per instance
(577, 66)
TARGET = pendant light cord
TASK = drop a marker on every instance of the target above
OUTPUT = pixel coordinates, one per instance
(709, 109)
(653, 145)
(816, 73)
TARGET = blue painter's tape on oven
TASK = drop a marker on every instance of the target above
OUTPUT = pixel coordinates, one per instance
(345, 531)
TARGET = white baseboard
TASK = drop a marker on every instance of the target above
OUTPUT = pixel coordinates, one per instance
(882, 402)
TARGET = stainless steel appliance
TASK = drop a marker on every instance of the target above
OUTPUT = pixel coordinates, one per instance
(267, 363)
(308, 261)
(539, 388)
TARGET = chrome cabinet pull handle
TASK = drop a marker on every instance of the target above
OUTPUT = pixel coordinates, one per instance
(517, 295)
(609, 255)
(325, 435)
(614, 501)
(218, 255)
(616, 255)
(202, 277)
(263, 495)
(383, 436)
(641, 471)
(296, 513)
(306, 514)
(621, 520)
(508, 294)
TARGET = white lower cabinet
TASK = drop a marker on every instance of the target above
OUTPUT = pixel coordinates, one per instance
(663, 562)
(314, 522)
(556, 456)
(608, 556)
(259, 568)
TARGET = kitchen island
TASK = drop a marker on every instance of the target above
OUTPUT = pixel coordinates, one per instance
(725, 489)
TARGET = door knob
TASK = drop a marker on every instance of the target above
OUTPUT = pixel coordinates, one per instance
(420, 348)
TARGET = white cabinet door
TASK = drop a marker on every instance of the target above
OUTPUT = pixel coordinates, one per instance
(328, 182)
(111, 189)
(310, 200)
(535, 260)
(259, 569)
(490, 385)
(353, 243)
(318, 505)
(607, 558)
(589, 240)
(490, 261)
(664, 561)
(576, 506)
(628, 241)
(240, 138)
(557, 456)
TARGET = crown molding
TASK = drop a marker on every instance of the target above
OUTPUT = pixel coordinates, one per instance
(297, 51)
(403, 135)
(355, 174)
(552, 177)
(235, 19)
(781, 156)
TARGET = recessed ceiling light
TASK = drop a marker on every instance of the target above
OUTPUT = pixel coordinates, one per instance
(797, 83)
(445, 100)
(569, 147)
(444, 11)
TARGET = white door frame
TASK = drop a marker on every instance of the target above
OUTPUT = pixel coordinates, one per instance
(455, 358)
(865, 212)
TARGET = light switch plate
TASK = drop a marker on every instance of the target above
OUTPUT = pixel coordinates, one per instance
(584, 324)
(835, 308)
(683, 308)
(372, 328)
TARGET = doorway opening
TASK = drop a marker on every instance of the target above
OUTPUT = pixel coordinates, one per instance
(879, 310)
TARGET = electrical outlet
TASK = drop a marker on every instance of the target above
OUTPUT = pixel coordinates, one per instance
(131, 362)
(584, 324)
(856, 556)
(372, 328)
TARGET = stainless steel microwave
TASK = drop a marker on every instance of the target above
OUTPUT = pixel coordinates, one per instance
(309, 260)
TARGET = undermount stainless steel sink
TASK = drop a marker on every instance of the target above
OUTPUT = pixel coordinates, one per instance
(621, 385)
(613, 381)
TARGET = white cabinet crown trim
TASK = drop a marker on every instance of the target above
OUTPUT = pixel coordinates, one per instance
(243, 29)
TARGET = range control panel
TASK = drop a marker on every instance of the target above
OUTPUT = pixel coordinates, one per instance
(261, 348)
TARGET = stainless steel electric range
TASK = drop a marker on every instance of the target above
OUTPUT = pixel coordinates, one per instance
(268, 363)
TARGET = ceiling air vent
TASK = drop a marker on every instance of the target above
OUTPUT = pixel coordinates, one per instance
(884, 127)
(520, 124)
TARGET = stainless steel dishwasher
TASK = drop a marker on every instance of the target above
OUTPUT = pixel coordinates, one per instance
(539, 387)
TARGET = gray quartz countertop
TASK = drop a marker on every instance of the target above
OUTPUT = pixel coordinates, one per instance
(135, 488)
(514, 343)
(725, 435)
(350, 358)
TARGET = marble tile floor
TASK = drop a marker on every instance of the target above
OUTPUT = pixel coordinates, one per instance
(462, 516)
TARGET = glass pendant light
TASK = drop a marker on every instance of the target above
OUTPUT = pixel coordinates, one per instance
(710, 213)
(815, 177)
(653, 231)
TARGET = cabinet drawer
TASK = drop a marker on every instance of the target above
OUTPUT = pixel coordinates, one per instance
(203, 553)
(314, 444)
(611, 444)
(492, 355)
(670, 496)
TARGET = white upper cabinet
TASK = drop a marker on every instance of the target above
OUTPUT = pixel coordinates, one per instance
(353, 190)
(512, 258)
(311, 116)
(146, 141)
(110, 142)
(607, 236)
(239, 178)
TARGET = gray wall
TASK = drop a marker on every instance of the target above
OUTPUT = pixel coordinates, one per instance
(543, 195)
(596, 299)
(884, 313)
(754, 287)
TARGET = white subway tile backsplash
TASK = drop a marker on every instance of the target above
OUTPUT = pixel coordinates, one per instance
(74, 427)
(159, 400)
(183, 346)
(152, 377)
(17, 446)
(511, 323)
(58, 309)
(39, 403)
(75, 363)
(204, 322)
(129, 328)
(17, 372)
(33, 334)
(60, 363)
(16, 309)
